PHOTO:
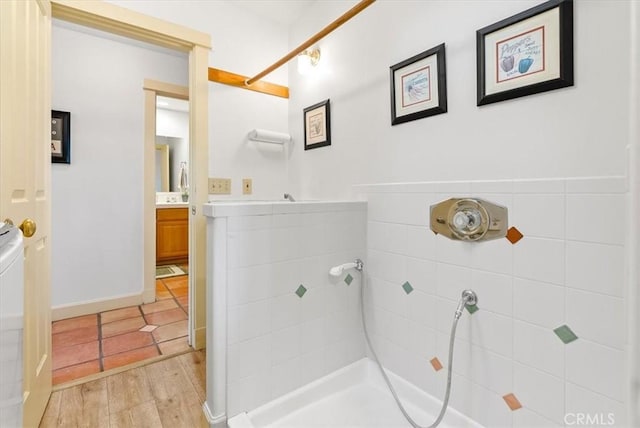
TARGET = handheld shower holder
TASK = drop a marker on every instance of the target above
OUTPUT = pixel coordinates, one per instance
(337, 270)
(469, 297)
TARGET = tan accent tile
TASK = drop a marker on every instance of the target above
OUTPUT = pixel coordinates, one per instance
(119, 314)
(166, 317)
(122, 326)
(436, 364)
(148, 328)
(170, 331)
(162, 292)
(76, 354)
(126, 342)
(162, 305)
(77, 371)
(184, 302)
(75, 337)
(512, 401)
(180, 291)
(176, 282)
(129, 357)
(74, 323)
(174, 346)
(514, 235)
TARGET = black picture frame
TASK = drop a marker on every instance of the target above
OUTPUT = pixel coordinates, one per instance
(539, 41)
(60, 136)
(317, 125)
(429, 69)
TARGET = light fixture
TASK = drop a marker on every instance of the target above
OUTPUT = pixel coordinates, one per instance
(308, 59)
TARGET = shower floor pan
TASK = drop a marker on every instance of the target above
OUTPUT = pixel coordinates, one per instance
(355, 396)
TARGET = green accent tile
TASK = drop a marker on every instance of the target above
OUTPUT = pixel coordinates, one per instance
(407, 287)
(301, 290)
(565, 334)
(472, 308)
(348, 279)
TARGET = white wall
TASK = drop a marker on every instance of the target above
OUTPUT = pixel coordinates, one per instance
(97, 241)
(243, 43)
(172, 123)
(577, 131)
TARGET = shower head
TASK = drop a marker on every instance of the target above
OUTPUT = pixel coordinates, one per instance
(337, 270)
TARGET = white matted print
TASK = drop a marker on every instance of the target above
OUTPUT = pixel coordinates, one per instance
(317, 125)
(527, 53)
(418, 86)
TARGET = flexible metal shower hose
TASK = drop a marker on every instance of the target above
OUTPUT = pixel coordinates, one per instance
(445, 402)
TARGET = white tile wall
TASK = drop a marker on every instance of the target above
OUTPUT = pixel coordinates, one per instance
(605, 275)
(568, 269)
(277, 341)
(539, 392)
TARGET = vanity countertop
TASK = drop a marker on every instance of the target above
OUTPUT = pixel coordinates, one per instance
(165, 205)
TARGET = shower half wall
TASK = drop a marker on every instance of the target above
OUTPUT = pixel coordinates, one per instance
(279, 321)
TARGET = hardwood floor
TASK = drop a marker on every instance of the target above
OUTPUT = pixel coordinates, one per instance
(167, 393)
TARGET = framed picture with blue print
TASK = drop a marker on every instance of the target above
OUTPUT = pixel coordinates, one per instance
(419, 86)
(526, 54)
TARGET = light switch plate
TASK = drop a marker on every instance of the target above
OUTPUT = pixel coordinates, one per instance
(219, 186)
(247, 186)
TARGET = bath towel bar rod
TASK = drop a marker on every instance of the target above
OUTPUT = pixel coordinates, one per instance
(318, 36)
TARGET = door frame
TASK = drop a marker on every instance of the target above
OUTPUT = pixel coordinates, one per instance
(124, 22)
(153, 89)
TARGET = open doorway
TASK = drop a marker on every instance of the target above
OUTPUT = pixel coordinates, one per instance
(127, 310)
(172, 217)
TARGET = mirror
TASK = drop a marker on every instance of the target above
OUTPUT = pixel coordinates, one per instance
(177, 152)
(172, 142)
(162, 167)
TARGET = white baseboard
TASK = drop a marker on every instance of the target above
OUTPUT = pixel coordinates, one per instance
(219, 421)
(94, 306)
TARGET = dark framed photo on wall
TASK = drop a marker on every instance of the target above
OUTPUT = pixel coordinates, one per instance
(419, 86)
(526, 54)
(317, 125)
(60, 136)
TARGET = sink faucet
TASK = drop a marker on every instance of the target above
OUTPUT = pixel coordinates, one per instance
(288, 197)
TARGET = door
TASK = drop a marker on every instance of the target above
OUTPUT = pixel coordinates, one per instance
(25, 168)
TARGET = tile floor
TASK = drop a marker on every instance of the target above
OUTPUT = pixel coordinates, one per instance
(94, 343)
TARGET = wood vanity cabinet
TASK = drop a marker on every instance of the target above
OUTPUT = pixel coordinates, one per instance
(172, 235)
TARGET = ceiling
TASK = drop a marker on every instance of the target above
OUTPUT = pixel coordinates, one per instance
(172, 104)
(280, 11)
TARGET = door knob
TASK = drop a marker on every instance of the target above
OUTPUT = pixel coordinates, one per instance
(28, 227)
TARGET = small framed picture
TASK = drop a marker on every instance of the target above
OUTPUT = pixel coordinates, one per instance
(528, 53)
(60, 136)
(317, 125)
(419, 86)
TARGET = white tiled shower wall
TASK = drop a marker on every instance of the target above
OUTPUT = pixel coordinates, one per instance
(276, 340)
(568, 269)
